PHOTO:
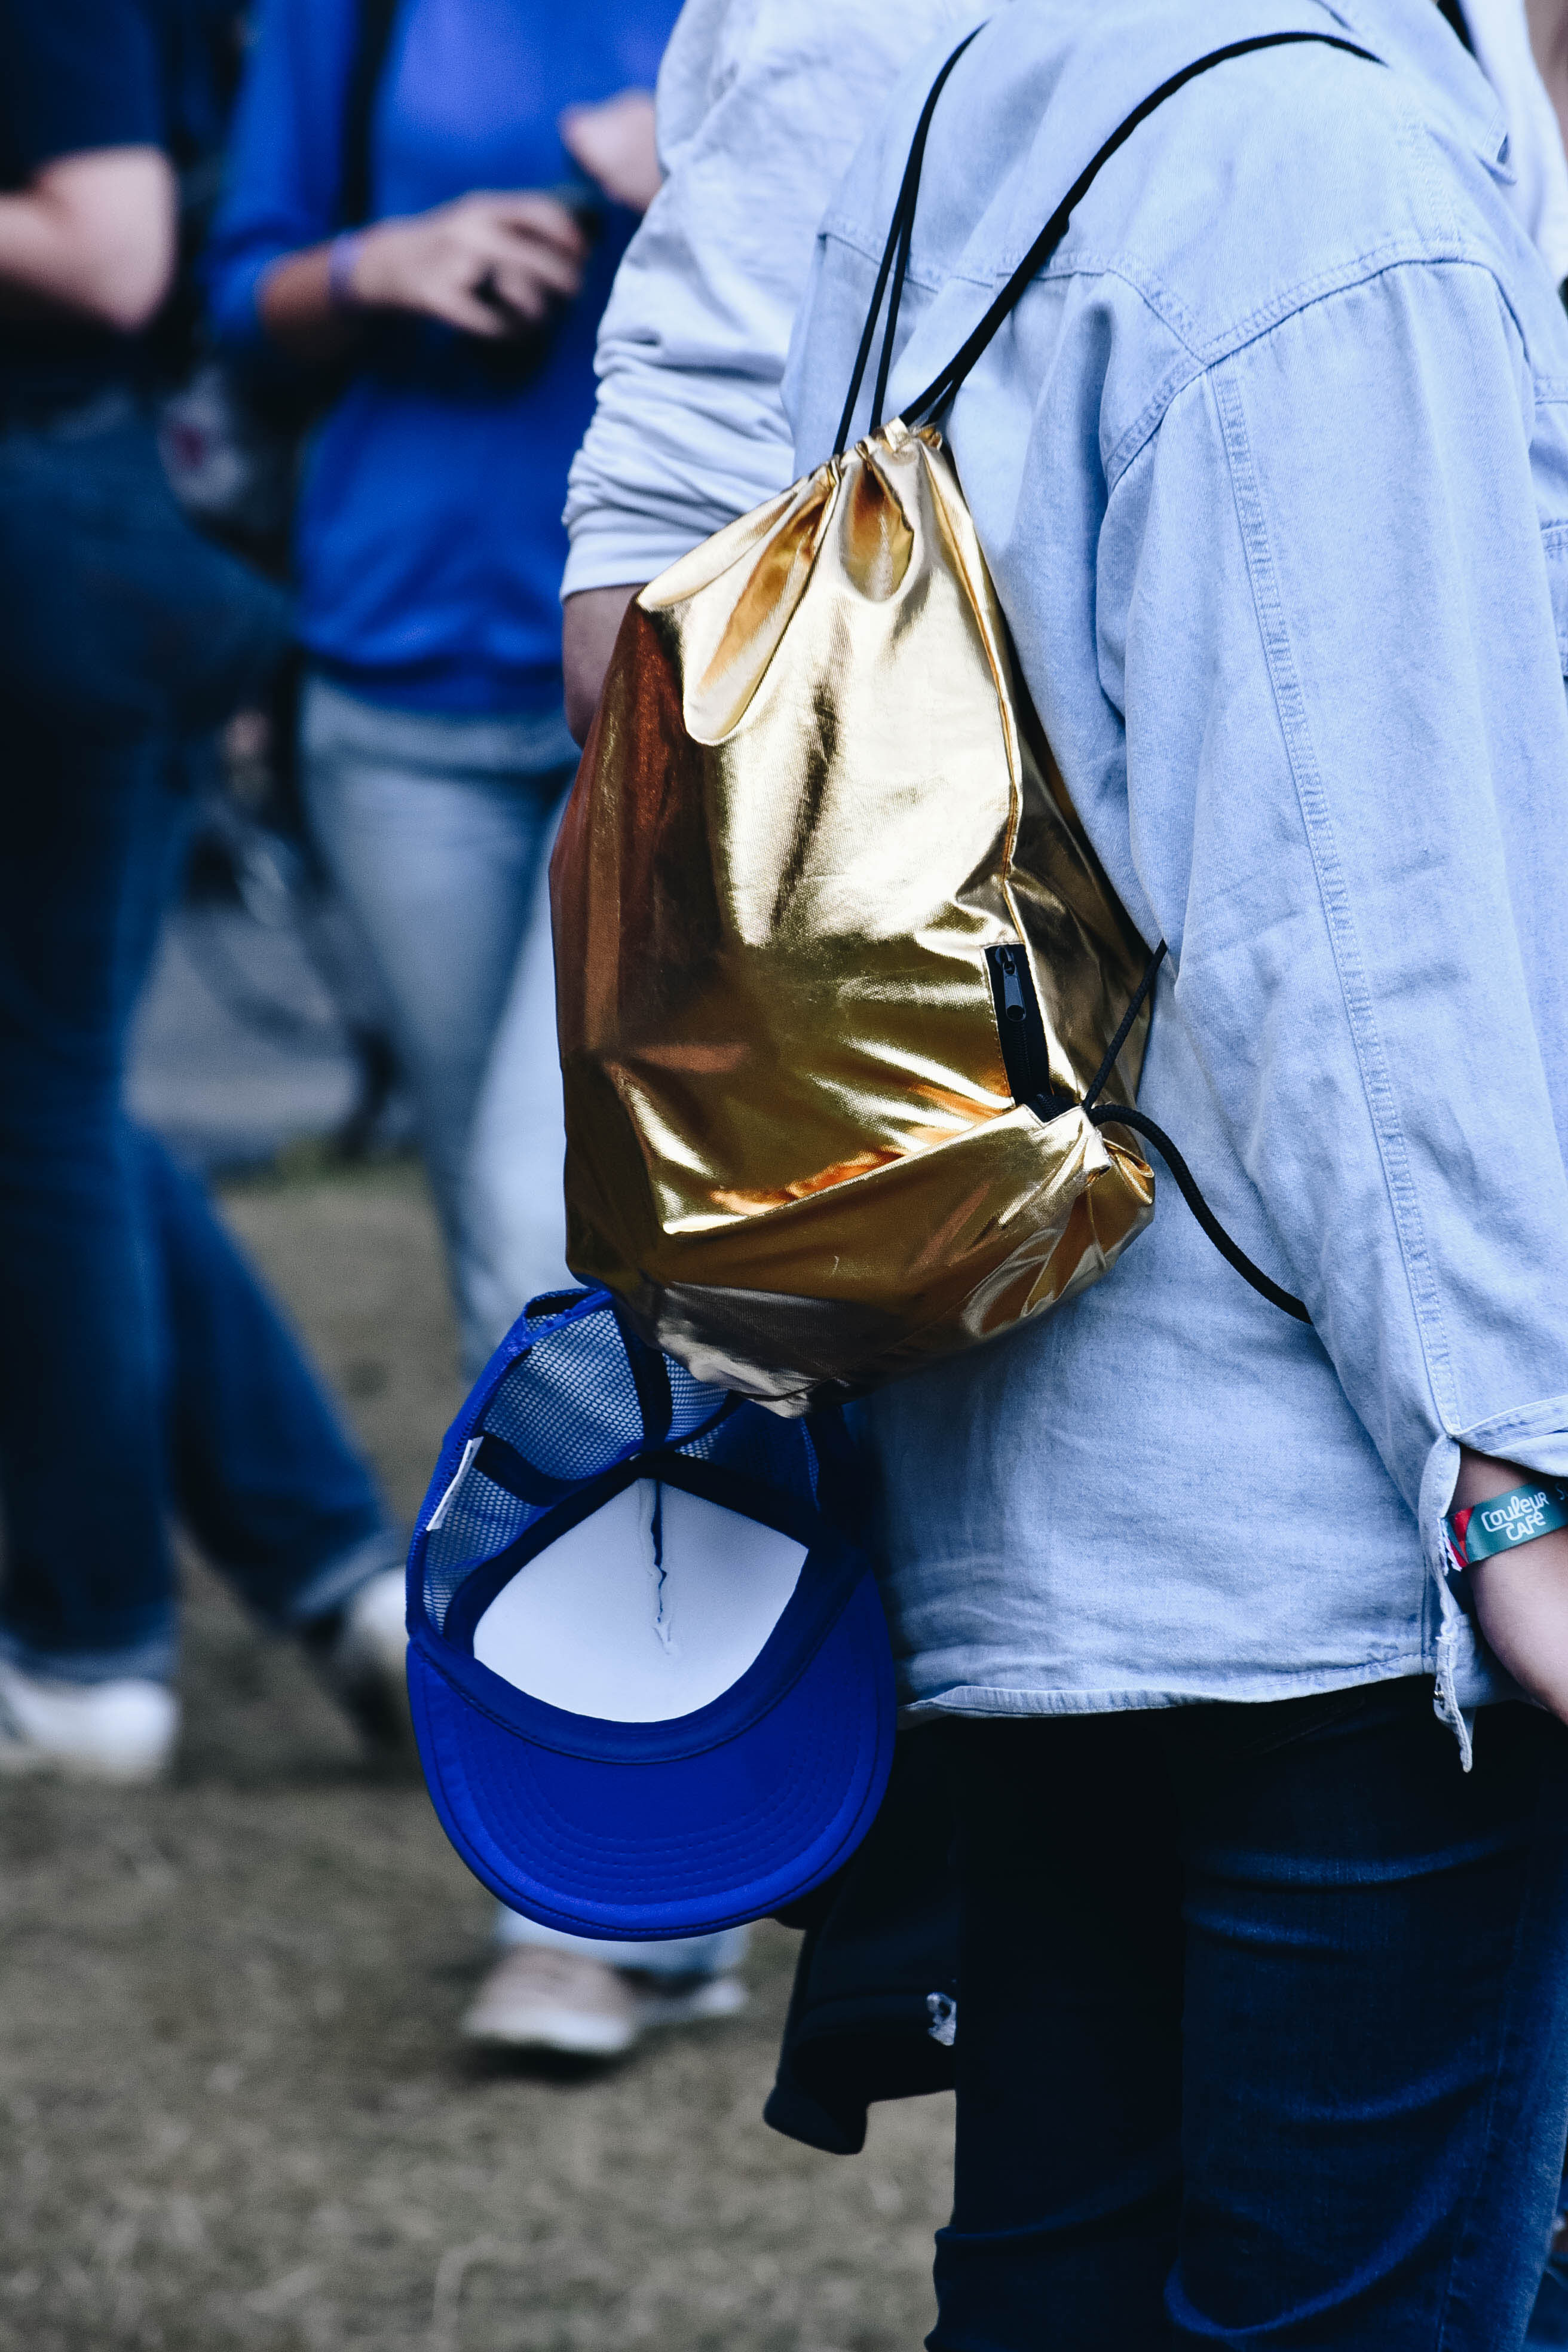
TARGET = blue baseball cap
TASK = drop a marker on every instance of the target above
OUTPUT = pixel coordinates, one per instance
(650, 1674)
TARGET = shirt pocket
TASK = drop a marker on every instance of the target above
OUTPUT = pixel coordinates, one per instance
(1554, 541)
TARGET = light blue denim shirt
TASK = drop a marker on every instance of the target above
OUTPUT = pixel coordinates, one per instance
(1271, 469)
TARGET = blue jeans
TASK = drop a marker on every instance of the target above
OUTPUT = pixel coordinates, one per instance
(143, 1372)
(1262, 2028)
(437, 832)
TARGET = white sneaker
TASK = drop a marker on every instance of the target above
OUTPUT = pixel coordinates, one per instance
(118, 1731)
(539, 1998)
(536, 1998)
(367, 1662)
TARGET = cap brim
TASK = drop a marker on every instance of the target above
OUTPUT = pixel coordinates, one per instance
(675, 1846)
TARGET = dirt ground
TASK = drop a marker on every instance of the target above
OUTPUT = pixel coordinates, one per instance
(236, 2112)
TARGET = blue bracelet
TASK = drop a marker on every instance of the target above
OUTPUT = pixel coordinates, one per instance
(341, 258)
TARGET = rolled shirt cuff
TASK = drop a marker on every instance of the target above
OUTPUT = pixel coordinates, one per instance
(1468, 1677)
(611, 550)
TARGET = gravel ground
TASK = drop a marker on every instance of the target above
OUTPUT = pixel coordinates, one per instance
(240, 2113)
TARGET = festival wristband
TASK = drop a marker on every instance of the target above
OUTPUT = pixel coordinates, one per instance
(1505, 1522)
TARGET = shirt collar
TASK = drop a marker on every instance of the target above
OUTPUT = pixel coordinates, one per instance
(1411, 37)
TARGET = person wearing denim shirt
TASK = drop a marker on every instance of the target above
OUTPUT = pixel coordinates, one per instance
(1263, 2008)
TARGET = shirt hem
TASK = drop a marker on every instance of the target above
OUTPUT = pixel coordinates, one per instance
(624, 562)
(1255, 1690)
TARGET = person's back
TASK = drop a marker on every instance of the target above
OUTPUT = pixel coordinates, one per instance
(1284, 600)
(1261, 1993)
(1270, 471)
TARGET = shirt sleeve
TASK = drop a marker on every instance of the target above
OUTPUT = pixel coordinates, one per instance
(78, 75)
(1326, 610)
(761, 104)
(285, 156)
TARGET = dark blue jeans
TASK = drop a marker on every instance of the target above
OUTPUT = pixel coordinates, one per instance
(1263, 2029)
(143, 1372)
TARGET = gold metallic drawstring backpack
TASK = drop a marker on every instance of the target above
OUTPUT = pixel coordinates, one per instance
(851, 1021)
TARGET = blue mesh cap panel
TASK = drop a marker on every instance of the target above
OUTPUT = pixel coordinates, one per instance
(481, 1519)
(761, 1445)
(692, 1401)
(570, 1406)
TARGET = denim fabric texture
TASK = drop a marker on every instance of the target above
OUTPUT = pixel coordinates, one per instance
(145, 1373)
(438, 830)
(120, 622)
(1244, 2058)
(1271, 467)
(761, 108)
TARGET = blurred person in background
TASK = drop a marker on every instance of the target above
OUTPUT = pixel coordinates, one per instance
(143, 1372)
(1549, 39)
(1523, 52)
(512, 150)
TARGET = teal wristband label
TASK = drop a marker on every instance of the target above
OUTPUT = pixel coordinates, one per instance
(1505, 1522)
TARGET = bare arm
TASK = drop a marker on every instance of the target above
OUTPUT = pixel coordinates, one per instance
(1522, 1596)
(1548, 39)
(92, 238)
(486, 264)
(298, 310)
(590, 624)
(614, 143)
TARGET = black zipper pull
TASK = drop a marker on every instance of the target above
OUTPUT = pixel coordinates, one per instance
(1019, 1027)
(1012, 1005)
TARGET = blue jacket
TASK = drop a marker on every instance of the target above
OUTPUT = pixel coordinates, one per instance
(1271, 468)
(429, 542)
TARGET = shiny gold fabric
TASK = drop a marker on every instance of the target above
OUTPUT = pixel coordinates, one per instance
(814, 795)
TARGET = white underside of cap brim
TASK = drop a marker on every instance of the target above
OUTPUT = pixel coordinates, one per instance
(652, 1608)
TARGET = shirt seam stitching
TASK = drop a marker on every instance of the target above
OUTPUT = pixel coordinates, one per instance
(1402, 250)
(1410, 1656)
(1241, 333)
(1146, 425)
(1334, 893)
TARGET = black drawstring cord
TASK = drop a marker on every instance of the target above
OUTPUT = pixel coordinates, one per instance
(1113, 1115)
(1150, 970)
(864, 354)
(900, 231)
(896, 296)
(1051, 1106)
(942, 387)
(1100, 1114)
(895, 263)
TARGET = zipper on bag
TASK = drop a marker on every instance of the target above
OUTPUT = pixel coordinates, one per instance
(1023, 1032)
